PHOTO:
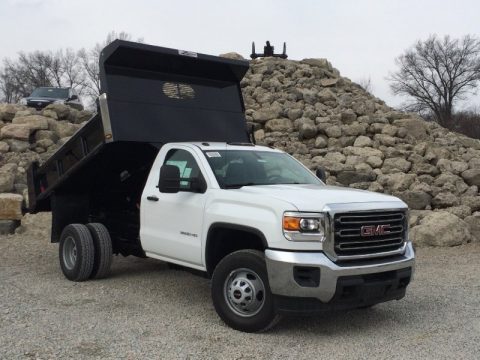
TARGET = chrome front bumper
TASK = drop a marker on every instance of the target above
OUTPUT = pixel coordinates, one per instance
(280, 265)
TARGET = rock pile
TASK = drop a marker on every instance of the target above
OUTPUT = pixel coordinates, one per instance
(307, 109)
(28, 135)
(323, 119)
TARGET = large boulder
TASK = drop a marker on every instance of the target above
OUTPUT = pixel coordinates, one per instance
(4, 147)
(326, 95)
(328, 82)
(396, 164)
(396, 182)
(440, 228)
(363, 151)
(34, 122)
(266, 113)
(348, 177)
(473, 223)
(333, 131)
(8, 226)
(7, 178)
(61, 110)
(348, 116)
(320, 62)
(16, 131)
(414, 127)
(444, 200)
(363, 141)
(62, 128)
(416, 200)
(278, 125)
(8, 111)
(472, 176)
(473, 202)
(17, 146)
(10, 206)
(307, 130)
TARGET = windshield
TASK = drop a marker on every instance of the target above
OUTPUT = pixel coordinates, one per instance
(54, 93)
(237, 168)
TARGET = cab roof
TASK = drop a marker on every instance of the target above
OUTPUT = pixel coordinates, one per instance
(215, 146)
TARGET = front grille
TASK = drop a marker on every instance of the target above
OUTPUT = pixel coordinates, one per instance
(383, 231)
(38, 104)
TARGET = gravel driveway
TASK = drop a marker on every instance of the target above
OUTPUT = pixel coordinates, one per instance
(144, 310)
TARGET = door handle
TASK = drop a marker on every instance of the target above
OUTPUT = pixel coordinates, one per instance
(152, 198)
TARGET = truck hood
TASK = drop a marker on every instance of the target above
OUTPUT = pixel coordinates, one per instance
(315, 198)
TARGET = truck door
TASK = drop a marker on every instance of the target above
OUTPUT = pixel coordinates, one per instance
(171, 224)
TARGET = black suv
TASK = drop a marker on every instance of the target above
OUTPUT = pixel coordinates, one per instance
(44, 96)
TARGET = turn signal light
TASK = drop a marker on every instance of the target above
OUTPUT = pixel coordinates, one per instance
(291, 223)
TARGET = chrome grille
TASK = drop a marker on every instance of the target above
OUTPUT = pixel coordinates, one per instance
(362, 233)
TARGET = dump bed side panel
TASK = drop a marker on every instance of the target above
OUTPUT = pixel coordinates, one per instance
(64, 164)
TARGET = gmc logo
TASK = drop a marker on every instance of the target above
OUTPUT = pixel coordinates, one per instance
(371, 230)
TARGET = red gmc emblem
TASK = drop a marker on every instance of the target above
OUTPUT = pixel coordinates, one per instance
(371, 230)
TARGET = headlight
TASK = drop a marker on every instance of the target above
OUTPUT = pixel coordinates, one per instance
(23, 101)
(59, 102)
(298, 226)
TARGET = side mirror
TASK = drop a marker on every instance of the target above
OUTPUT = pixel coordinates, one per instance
(198, 185)
(169, 181)
(321, 174)
(73, 97)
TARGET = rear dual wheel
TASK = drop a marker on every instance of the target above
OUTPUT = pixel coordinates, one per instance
(85, 251)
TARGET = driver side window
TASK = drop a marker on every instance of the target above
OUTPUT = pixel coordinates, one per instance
(187, 166)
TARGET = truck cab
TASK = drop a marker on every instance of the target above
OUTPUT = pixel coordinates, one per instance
(167, 170)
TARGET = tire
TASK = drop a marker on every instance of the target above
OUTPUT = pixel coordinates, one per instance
(238, 275)
(102, 244)
(76, 252)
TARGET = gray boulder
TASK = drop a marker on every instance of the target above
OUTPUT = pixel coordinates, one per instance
(397, 181)
(444, 199)
(473, 223)
(472, 176)
(61, 110)
(440, 228)
(16, 131)
(278, 125)
(416, 200)
(348, 177)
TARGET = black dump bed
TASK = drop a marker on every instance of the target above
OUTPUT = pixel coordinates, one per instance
(150, 96)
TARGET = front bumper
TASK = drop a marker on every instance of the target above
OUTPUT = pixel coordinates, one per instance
(282, 264)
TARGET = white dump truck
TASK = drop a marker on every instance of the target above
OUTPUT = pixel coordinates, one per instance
(167, 169)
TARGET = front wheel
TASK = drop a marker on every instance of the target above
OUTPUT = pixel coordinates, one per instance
(241, 294)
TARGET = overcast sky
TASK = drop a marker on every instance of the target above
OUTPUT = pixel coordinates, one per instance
(360, 37)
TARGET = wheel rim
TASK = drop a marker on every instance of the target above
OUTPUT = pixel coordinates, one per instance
(69, 253)
(244, 292)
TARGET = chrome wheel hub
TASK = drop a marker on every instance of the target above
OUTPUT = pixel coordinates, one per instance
(69, 253)
(244, 292)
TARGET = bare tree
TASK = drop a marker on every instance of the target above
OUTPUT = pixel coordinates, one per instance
(435, 73)
(64, 68)
(9, 87)
(73, 74)
(366, 84)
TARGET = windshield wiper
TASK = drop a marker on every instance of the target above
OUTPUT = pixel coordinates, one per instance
(238, 186)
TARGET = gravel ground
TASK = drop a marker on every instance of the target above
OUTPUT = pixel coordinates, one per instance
(144, 310)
